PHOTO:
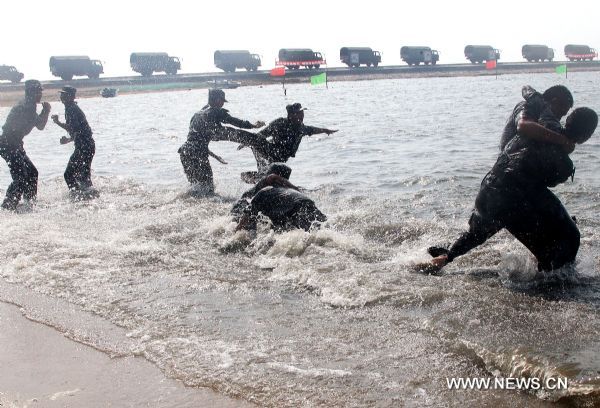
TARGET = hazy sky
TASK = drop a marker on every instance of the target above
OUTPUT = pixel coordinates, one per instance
(110, 30)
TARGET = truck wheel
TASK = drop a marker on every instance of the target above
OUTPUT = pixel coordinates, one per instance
(433, 62)
(146, 73)
(426, 62)
(375, 64)
(66, 77)
(94, 76)
(317, 66)
(15, 80)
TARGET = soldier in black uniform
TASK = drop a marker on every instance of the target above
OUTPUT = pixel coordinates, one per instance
(279, 200)
(20, 122)
(206, 126)
(552, 105)
(515, 195)
(78, 174)
(281, 138)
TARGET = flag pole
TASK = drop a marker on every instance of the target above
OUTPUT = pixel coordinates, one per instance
(566, 71)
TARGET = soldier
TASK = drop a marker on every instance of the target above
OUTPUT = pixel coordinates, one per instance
(78, 174)
(515, 195)
(286, 135)
(206, 126)
(551, 106)
(20, 122)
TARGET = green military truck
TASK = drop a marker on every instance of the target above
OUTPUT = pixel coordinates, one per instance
(537, 53)
(68, 66)
(354, 57)
(580, 52)
(10, 73)
(230, 60)
(480, 53)
(414, 55)
(147, 63)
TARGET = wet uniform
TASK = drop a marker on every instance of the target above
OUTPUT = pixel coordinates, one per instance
(514, 195)
(79, 169)
(206, 126)
(20, 122)
(532, 107)
(286, 208)
(285, 141)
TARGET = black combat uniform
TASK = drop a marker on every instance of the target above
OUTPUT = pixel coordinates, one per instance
(286, 208)
(532, 107)
(20, 122)
(285, 138)
(78, 174)
(515, 195)
(206, 126)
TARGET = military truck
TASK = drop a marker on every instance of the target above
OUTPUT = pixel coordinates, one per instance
(66, 67)
(147, 63)
(294, 58)
(10, 73)
(575, 52)
(354, 57)
(537, 53)
(414, 55)
(479, 53)
(230, 60)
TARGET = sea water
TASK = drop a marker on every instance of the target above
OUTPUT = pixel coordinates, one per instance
(335, 317)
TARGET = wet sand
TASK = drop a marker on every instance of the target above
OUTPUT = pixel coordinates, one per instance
(39, 367)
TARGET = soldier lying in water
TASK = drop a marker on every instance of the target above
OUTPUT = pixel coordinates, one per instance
(515, 195)
(279, 200)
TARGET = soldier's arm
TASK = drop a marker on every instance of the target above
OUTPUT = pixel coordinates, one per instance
(311, 130)
(239, 123)
(537, 132)
(42, 118)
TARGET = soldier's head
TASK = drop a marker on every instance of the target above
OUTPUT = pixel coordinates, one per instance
(581, 124)
(295, 113)
(67, 94)
(560, 100)
(280, 169)
(216, 98)
(33, 90)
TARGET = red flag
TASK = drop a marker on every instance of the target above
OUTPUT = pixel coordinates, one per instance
(491, 64)
(278, 71)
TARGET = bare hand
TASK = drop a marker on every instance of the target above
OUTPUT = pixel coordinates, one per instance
(46, 107)
(259, 124)
(64, 139)
(54, 118)
(330, 131)
(241, 146)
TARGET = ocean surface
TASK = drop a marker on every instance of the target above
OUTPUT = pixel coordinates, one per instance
(336, 317)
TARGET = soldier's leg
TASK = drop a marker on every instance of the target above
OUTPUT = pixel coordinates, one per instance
(31, 182)
(14, 159)
(87, 155)
(547, 230)
(72, 170)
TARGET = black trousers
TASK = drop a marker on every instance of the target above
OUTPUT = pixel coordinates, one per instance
(24, 176)
(536, 218)
(78, 173)
(194, 159)
(194, 154)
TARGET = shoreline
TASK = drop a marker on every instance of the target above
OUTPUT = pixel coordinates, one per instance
(11, 94)
(41, 366)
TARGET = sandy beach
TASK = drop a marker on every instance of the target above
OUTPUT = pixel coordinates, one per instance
(40, 367)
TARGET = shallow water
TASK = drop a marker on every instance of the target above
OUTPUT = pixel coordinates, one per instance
(336, 317)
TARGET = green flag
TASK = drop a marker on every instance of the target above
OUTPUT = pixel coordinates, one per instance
(561, 69)
(318, 79)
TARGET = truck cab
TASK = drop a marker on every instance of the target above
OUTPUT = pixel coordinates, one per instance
(10, 73)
